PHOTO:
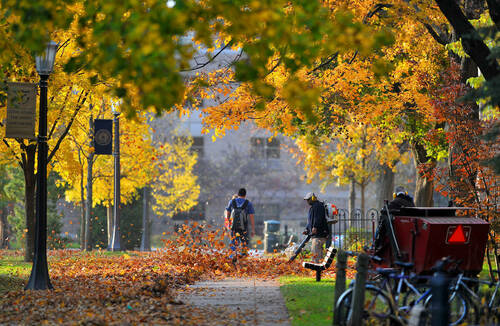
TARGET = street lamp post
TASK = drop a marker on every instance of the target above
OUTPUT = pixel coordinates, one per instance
(39, 278)
(115, 239)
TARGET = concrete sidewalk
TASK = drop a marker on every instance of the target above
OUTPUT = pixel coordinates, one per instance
(238, 302)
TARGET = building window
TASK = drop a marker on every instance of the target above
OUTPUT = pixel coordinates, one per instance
(262, 148)
(198, 146)
(196, 213)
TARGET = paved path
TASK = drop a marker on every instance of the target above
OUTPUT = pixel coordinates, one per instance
(238, 301)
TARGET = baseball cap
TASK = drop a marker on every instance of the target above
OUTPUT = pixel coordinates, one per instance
(308, 195)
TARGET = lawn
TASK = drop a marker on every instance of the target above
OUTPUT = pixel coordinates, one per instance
(13, 273)
(308, 302)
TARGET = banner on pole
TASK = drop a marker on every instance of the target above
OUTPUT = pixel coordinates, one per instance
(103, 136)
(21, 110)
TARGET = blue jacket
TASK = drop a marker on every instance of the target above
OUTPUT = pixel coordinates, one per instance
(317, 219)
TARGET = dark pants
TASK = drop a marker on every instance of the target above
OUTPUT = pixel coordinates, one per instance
(239, 242)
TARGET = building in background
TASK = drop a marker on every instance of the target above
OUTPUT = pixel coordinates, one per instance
(247, 157)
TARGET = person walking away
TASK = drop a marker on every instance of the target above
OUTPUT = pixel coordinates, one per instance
(401, 199)
(240, 212)
(317, 226)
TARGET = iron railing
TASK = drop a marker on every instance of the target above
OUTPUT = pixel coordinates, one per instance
(353, 231)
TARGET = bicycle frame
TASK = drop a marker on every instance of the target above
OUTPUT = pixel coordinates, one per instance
(394, 293)
(461, 284)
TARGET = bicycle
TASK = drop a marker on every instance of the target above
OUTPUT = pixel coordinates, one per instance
(377, 303)
(492, 307)
(458, 302)
(382, 301)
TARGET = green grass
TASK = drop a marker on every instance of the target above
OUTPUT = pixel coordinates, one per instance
(308, 302)
(13, 273)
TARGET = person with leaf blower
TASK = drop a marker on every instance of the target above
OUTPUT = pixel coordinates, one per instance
(317, 226)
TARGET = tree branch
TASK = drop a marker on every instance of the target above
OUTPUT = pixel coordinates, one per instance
(378, 7)
(19, 160)
(471, 41)
(80, 105)
(326, 62)
(435, 35)
(274, 67)
(201, 65)
(60, 112)
(494, 9)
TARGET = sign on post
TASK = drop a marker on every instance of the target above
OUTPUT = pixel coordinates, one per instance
(21, 110)
(103, 137)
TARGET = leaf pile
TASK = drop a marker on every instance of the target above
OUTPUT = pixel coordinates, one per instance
(136, 288)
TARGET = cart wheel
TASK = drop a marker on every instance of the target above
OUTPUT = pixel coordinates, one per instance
(318, 275)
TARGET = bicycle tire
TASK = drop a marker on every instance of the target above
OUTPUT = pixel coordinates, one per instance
(377, 306)
(494, 310)
(459, 308)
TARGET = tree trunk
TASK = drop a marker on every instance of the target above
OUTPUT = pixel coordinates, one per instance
(82, 217)
(88, 209)
(146, 230)
(424, 186)
(385, 185)
(352, 198)
(363, 188)
(109, 216)
(29, 202)
(472, 43)
(4, 229)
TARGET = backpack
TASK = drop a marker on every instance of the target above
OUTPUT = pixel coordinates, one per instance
(331, 213)
(239, 216)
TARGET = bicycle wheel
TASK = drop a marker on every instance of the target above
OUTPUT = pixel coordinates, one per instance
(494, 307)
(459, 308)
(377, 307)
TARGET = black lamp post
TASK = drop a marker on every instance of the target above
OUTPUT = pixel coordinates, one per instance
(39, 278)
(115, 239)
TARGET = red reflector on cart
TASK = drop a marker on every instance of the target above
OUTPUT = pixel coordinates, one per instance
(457, 236)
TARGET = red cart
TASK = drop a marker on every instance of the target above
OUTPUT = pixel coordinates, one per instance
(423, 235)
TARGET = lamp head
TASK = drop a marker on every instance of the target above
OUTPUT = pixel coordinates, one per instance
(45, 62)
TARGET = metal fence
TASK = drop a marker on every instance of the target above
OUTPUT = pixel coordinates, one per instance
(353, 231)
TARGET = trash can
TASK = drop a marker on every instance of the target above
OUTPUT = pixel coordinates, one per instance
(271, 235)
(271, 242)
(271, 226)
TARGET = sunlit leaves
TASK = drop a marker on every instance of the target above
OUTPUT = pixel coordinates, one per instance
(174, 184)
(144, 45)
(99, 287)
